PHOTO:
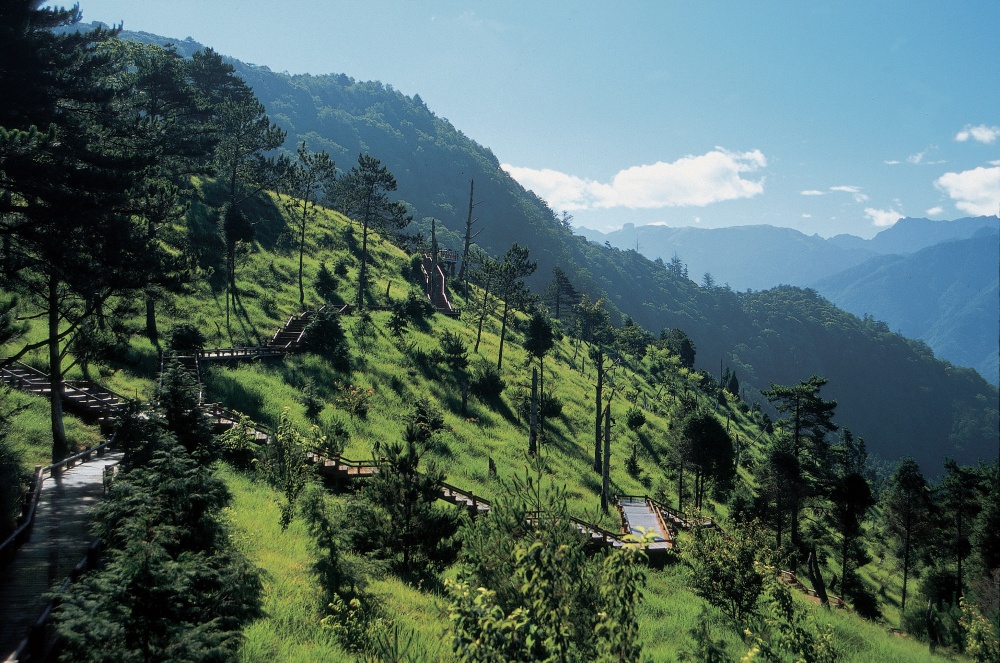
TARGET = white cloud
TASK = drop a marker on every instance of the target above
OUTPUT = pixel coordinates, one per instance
(980, 133)
(995, 163)
(883, 218)
(934, 211)
(692, 181)
(975, 191)
(807, 216)
(855, 192)
(891, 162)
(811, 192)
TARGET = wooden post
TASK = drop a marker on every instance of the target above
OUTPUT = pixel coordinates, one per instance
(599, 361)
(605, 473)
(533, 427)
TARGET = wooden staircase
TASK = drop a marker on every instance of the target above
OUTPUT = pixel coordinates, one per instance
(87, 400)
(436, 288)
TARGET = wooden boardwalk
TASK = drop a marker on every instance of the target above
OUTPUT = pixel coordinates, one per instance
(59, 539)
(640, 512)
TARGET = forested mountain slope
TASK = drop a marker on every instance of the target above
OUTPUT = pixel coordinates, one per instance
(948, 295)
(780, 336)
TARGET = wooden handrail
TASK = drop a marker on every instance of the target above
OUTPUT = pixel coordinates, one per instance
(23, 531)
(35, 644)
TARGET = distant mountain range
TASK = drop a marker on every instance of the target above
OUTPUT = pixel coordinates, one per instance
(936, 281)
(763, 256)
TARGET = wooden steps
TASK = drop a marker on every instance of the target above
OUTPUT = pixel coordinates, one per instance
(87, 400)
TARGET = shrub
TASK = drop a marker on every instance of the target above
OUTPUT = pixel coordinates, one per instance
(425, 420)
(635, 418)
(416, 268)
(185, 337)
(550, 405)
(453, 351)
(325, 336)
(356, 400)
(417, 306)
(486, 383)
(313, 403)
(364, 332)
(325, 283)
(399, 321)
(14, 478)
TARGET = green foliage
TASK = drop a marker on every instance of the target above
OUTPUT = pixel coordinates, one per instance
(982, 642)
(407, 529)
(399, 321)
(312, 402)
(454, 352)
(239, 444)
(417, 307)
(14, 478)
(178, 402)
(424, 421)
(528, 592)
(283, 465)
(364, 332)
(172, 587)
(355, 400)
(363, 194)
(325, 283)
(706, 648)
(307, 180)
(681, 345)
(486, 383)
(635, 418)
(726, 569)
(789, 634)
(325, 336)
(185, 337)
(539, 337)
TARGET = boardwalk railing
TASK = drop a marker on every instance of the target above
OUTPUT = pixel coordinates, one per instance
(595, 532)
(792, 579)
(474, 501)
(23, 531)
(254, 352)
(35, 646)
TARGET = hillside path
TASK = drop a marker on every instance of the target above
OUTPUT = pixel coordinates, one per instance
(59, 539)
(639, 513)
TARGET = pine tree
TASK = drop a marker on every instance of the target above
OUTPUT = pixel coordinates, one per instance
(809, 419)
(363, 195)
(514, 267)
(908, 512)
(71, 161)
(309, 178)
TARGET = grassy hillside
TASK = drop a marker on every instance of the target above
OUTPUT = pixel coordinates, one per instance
(398, 373)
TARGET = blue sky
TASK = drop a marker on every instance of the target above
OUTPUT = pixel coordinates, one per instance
(830, 118)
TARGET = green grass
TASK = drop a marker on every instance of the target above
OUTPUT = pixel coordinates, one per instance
(30, 429)
(291, 629)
